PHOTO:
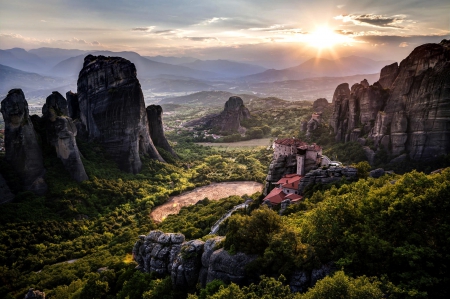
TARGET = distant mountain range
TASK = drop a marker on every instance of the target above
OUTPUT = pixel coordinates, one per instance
(30, 82)
(320, 67)
(225, 68)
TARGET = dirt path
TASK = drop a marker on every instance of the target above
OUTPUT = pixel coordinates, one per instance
(213, 191)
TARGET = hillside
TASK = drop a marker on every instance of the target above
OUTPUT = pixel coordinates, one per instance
(206, 98)
(225, 68)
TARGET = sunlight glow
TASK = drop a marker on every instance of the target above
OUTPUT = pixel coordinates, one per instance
(324, 37)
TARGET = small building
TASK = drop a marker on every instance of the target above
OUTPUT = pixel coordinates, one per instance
(287, 188)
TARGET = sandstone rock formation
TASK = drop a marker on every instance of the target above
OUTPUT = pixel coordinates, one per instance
(61, 132)
(406, 111)
(228, 121)
(154, 115)
(320, 105)
(5, 193)
(21, 143)
(112, 109)
(189, 262)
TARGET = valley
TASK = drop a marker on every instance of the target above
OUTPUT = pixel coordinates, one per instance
(111, 190)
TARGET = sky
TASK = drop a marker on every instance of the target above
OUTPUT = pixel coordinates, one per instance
(272, 33)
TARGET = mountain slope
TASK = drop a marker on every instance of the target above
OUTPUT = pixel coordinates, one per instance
(13, 78)
(320, 67)
(20, 59)
(53, 56)
(145, 67)
(206, 98)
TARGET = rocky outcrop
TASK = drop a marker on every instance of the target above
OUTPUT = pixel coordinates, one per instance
(388, 75)
(157, 251)
(189, 262)
(187, 265)
(405, 111)
(154, 115)
(61, 132)
(278, 168)
(21, 143)
(34, 294)
(356, 110)
(326, 176)
(73, 105)
(112, 110)
(229, 120)
(5, 193)
(320, 105)
(301, 280)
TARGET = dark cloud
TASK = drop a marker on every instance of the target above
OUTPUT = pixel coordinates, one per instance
(374, 20)
(200, 39)
(165, 32)
(141, 29)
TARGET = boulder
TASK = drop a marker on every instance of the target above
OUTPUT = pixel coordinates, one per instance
(154, 115)
(376, 173)
(34, 294)
(112, 110)
(228, 268)
(61, 132)
(22, 149)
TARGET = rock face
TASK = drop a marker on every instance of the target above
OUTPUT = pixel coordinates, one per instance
(5, 193)
(21, 143)
(112, 110)
(320, 105)
(326, 176)
(61, 132)
(407, 110)
(229, 121)
(189, 262)
(154, 115)
(73, 105)
(34, 294)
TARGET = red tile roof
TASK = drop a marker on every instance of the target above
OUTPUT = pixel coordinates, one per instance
(290, 181)
(276, 196)
(294, 197)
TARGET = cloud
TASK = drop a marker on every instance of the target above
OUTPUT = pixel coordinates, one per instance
(279, 28)
(373, 20)
(212, 20)
(166, 32)
(403, 45)
(344, 32)
(43, 21)
(200, 39)
(143, 29)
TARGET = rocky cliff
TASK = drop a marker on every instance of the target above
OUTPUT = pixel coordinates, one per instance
(407, 110)
(112, 110)
(189, 262)
(21, 143)
(155, 122)
(61, 132)
(228, 121)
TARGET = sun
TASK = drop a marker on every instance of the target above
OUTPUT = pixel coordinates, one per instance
(324, 37)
